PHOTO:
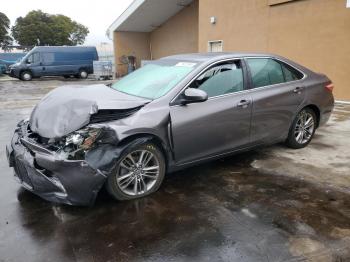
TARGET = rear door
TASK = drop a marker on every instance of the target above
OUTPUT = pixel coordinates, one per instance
(277, 94)
(218, 125)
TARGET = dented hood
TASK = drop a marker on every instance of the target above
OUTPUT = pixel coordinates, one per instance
(69, 108)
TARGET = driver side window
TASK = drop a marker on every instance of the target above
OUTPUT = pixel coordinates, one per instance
(34, 58)
(221, 79)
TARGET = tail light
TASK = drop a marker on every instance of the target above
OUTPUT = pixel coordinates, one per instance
(329, 87)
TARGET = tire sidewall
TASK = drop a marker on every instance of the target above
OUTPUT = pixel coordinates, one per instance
(111, 183)
(291, 140)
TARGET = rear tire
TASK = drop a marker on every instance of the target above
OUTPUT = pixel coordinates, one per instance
(143, 165)
(26, 76)
(303, 129)
(83, 74)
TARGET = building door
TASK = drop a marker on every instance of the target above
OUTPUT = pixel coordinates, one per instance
(215, 46)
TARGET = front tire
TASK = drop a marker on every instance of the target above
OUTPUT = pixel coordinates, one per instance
(303, 129)
(139, 172)
(26, 76)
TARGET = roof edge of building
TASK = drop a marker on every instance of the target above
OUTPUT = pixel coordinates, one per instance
(124, 16)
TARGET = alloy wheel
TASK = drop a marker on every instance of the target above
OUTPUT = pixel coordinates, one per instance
(304, 127)
(138, 172)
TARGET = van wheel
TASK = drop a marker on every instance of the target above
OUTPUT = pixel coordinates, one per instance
(26, 76)
(83, 74)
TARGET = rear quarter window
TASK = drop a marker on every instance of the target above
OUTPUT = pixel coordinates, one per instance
(291, 74)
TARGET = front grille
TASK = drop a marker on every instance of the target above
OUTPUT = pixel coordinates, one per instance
(105, 115)
(22, 172)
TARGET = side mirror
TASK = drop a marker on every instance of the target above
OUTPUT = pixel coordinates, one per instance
(194, 95)
(27, 61)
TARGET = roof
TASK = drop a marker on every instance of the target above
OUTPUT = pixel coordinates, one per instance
(216, 55)
(146, 15)
(66, 48)
(206, 58)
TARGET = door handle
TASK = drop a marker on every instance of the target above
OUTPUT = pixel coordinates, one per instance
(243, 103)
(298, 90)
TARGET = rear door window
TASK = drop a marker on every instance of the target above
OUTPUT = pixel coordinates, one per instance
(267, 71)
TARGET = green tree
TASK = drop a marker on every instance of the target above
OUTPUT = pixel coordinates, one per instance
(5, 39)
(39, 28)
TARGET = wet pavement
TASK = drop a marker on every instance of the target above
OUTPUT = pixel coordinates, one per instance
(272, 204)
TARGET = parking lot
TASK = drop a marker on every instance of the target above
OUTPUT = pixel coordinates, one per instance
(271, 204)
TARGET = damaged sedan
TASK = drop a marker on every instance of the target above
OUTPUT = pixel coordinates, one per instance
(170, 114)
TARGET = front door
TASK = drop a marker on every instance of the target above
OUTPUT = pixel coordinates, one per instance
(277, 95)
(35, 65)
(219, 125)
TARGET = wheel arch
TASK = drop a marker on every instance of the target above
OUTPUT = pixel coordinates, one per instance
(317, 112)
(153, 138)
(25, 70)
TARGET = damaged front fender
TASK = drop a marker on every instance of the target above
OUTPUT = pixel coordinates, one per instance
(104, 157)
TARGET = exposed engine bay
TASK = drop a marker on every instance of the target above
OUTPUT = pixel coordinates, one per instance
(72, 146)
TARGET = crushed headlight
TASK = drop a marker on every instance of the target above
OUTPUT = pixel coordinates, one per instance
(91, 138)
(75, 144)
(83, 138)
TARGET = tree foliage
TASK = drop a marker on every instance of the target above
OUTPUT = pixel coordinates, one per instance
(39, 28)
(5, 38)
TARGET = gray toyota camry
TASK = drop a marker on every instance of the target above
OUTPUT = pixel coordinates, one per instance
(172, 113)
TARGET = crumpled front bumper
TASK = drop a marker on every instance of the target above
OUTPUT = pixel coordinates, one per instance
(13, 72)
(42, 172)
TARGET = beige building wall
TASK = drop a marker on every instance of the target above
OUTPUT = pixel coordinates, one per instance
(315, 33)
(241, 24)
(178, 35)
(130, 43)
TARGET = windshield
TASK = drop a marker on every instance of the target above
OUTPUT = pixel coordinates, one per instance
(154, 80)
(23, 59)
